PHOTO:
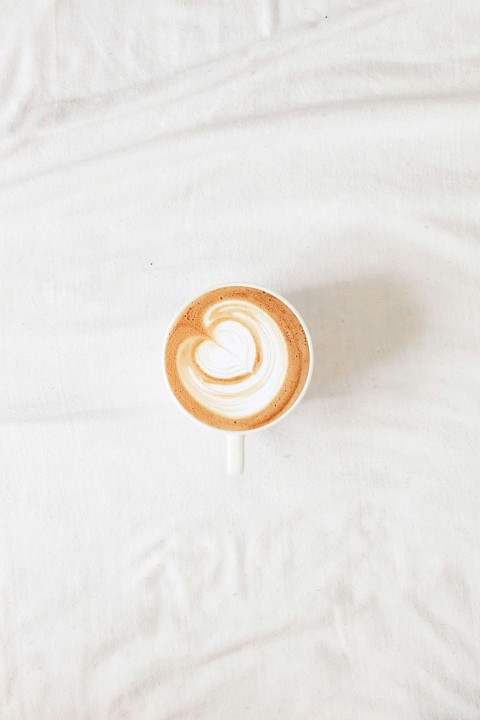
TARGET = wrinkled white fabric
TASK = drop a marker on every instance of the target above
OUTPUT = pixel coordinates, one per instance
(150, 151)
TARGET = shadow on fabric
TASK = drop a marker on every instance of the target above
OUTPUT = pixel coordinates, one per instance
(355, 324)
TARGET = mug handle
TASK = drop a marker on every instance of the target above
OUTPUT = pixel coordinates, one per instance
(235, 453)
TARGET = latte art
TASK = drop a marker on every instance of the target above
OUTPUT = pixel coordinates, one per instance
(237, 358)
(241, 367)
(230, 353)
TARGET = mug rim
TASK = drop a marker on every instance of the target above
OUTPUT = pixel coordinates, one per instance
(298, 398)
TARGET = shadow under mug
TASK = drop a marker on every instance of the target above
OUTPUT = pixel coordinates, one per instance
(236, 439)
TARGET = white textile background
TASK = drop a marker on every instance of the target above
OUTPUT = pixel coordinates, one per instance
(331, 152)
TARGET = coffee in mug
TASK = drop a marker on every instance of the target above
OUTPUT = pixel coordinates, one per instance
(237, 358)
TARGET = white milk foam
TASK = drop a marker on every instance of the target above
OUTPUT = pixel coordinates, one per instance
(222, 372)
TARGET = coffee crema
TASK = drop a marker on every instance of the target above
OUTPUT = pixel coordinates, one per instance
(237, 358)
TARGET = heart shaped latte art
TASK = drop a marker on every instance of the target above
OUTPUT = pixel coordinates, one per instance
(230, 354)
(238, 365)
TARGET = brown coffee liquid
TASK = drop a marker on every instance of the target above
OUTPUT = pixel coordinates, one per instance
(191, 329)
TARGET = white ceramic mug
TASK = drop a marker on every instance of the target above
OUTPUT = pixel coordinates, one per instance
(236, 439)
